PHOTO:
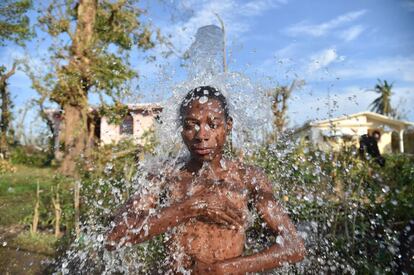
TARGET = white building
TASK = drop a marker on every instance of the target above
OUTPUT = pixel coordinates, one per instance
(335, 133)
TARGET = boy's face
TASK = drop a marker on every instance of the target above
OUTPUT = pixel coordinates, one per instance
(205, 129)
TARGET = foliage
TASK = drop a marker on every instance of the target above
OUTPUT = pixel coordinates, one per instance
(115, 113)
(149, 141)
(6, 167)
(117, 30)
(31, 156)
(17, 192)
(382, 104)
(101, 35)
(108, 179)
(47, 215)
(14, 26)
(40, 243)
(14, 22)
(354, 213)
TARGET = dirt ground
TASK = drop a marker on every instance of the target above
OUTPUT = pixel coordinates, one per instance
(15, 260)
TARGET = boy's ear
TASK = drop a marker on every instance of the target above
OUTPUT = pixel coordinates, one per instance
(229, 124)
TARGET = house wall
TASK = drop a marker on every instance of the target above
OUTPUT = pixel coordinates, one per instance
(384, 144)
(352, 122)
(353, 127)
(110, 133)
(345, 132)
(324, 143)
(142, 122)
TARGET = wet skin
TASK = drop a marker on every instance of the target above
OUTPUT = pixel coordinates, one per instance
(208, 210)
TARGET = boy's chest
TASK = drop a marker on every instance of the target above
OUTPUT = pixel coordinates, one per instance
(233, 187)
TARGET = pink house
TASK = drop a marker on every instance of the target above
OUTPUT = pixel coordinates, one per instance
(140, 119)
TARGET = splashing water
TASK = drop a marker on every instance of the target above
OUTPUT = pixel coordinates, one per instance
(251, 113)
(307, 181)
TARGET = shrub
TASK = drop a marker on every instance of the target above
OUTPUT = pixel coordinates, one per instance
(30, 156)
(357, 215)
(6, 167)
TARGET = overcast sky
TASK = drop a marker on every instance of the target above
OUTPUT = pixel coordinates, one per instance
(340, 49)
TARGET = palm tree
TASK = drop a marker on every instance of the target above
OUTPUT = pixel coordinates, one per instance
(382, 104)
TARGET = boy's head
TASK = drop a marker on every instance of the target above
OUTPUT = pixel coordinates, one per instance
(204, 93)
(377, 135)
(204, 114)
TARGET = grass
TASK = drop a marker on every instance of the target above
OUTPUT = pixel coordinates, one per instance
(27, 253)
(41, 243)
(22, 252)
(18, 192)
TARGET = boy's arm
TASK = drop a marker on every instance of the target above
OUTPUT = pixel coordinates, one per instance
(127, 218)
(289, 247)
(136, 228)
(132, 212)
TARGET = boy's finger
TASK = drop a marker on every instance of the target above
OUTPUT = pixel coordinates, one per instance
(228, 217)
(221, 218)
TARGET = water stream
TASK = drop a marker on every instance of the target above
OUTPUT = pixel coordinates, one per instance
(293, 182)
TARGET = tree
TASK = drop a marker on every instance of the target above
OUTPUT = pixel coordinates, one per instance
(14, 27)
(280, 96)
(44, 86)
(382, 104)
(5, 109)
(14, 23)
(100, 34)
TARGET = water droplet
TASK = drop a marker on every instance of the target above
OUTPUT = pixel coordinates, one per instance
(203, 99)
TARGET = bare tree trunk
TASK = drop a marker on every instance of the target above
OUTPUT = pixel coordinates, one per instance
(75, 103)
(75, 134)
(281, 96)
(58, 211)
(74, 137)
(50, 124)
(35, 221)
(5, 112)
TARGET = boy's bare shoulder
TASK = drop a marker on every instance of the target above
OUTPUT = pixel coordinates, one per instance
(247, 170)
(252, 175)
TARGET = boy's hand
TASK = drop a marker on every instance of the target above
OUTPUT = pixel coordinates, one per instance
(212, 204)
(201, 268)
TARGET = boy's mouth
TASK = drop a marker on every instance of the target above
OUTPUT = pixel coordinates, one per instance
(202, 151)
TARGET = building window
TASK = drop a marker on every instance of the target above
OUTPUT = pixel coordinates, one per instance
(127, 126)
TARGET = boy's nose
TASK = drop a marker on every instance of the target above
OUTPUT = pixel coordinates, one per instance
(203, 132)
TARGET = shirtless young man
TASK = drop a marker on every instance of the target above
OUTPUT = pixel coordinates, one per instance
(209, 202)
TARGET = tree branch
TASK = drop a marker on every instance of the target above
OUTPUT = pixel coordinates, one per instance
(9, 73)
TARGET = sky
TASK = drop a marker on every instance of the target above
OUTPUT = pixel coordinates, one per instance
(339, 48)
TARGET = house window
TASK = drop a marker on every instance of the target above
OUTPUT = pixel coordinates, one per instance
(127, 126)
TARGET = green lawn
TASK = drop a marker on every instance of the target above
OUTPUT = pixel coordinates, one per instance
(22, 252)
(18, 192)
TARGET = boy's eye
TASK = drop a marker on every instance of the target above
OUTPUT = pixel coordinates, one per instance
(188, 125)
(213, 125)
